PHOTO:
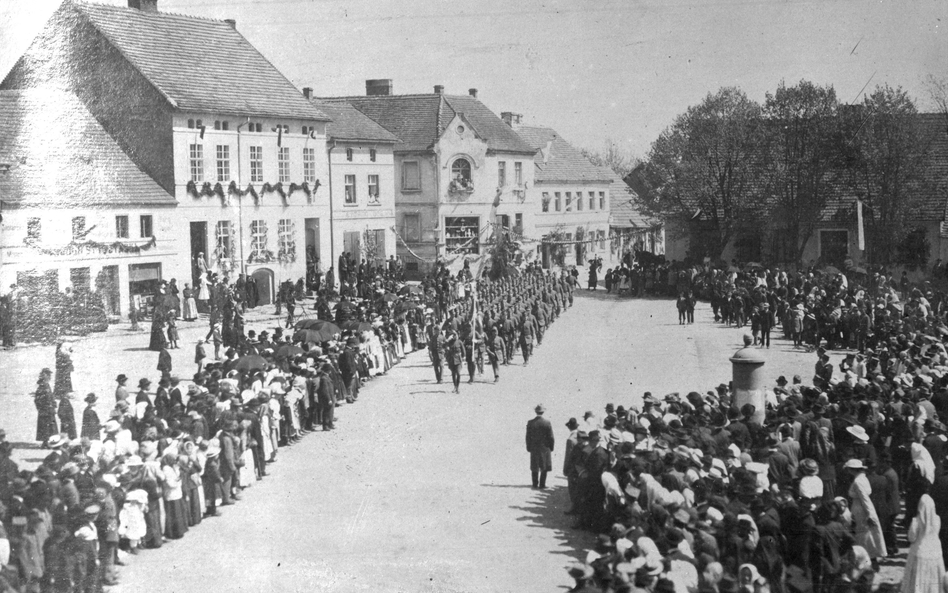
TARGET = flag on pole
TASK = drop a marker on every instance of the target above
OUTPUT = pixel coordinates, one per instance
(860, 232)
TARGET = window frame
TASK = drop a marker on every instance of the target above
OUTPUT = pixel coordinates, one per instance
(556, 201)
(569, 201)
(501, 174)
(146, 221)
(373, 154)
(545, 201)
(223, 163)
(518, 173)
(258, 237)
(349, 154)
(602, 200)
(376, 198)
(406, 166)
(469, 168)
(196, 162)
(411, 233)
(283, 164)
(121, 223)
(256, 164)
(285, 232)
(350, 197)
(78, 227)
(224, 241)
(309, 165)
(592, 200)
(34, 228)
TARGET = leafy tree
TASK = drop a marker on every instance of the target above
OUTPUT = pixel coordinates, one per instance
(706, 166)
(888, 165)
(612, 157)
(803, 139)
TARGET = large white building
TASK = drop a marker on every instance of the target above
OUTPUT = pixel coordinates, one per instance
(453, 160)
(238, 150)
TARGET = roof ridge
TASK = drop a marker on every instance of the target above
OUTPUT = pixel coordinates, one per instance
(160, 13)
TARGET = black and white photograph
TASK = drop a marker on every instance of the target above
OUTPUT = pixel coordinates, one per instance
(613, 296)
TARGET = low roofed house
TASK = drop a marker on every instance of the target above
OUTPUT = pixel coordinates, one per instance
(572, 196)
(362, 185)
(633, 230)
(195, 106)
(77, 212)
(457, 165)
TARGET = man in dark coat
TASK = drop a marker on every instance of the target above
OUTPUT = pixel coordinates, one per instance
(436, 350)
(164, 363)
(326, 397)
(91, 426)
(540, 443)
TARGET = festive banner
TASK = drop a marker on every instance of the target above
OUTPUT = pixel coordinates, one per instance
(90, 248)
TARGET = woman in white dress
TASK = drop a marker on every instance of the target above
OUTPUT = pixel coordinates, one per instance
(866, 520)
(924, 566)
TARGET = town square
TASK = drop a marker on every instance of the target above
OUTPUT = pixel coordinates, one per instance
(354, 296)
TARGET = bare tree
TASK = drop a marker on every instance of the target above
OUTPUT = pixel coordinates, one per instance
(613, 157)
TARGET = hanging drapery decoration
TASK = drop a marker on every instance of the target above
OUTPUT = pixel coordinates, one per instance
(207, 190)
(90, 247)
(304, 187)
(410, 252)
(233, 190)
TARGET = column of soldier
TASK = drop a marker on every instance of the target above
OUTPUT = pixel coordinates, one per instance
(492, 318)
(844, 471)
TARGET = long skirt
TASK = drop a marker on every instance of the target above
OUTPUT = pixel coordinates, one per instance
(190, 309)
(176, 519)
(153, 524)
(46, 426)
(248, 473)
(195, 506)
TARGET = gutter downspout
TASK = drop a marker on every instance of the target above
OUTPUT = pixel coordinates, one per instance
(240, 205)
(332, 235)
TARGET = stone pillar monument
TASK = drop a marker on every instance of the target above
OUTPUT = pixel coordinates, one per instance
(747, 373)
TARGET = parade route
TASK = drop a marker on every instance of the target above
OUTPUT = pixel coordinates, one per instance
(417, 489)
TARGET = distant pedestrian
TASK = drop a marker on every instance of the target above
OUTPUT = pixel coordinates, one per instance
(67, 416)
(91, 426)
(540, 442)
(64, 369)
(200, 353)
(121, 392)
(45, 408)
(172, 331)
(164, 363)
(454, 355)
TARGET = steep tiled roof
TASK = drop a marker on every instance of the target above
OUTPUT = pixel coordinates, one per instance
(348, 123)
(419, 120)
(60, 156)
(558, 160)
(624, 208)
(199, 64)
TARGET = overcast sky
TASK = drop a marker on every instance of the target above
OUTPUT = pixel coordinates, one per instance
(593, 70)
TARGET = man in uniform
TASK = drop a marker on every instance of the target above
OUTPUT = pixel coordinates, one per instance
(454, 355)
(540, 443)
(436, 349)
(528, 334)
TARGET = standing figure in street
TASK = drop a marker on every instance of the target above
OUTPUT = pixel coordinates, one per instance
(326, 397)
(436, 350)
(91, 426)
(164, 363)
(45, 408)
(290, 300)
(528, 332)
(454, 355)
(496, 352)
(64, 370)
(67, 416)
(924, 565)
(594, 265)
(200, 353)
(189, 311)
(172, 330)
(540, 443)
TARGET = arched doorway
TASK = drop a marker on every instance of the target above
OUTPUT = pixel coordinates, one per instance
(264, 281)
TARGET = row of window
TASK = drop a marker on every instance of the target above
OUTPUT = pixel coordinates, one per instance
(578, 201)
(224, 237)
(351, 195)
(34, 227)
(460, 169)
(372, 154)
(196, 124)
(502, 173)
(596, 237)
(222, 161)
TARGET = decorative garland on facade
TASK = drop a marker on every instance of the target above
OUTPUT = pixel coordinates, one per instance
(89, 247)
(207, 190)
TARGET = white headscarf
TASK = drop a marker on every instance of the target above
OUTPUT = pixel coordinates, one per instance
(923, 461)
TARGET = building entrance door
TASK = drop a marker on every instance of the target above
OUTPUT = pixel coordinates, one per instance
(264, 281)
(198, 249)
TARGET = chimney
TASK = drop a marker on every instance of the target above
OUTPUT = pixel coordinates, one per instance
(378, 87)
(511, 119)
(231, 22)
(472, 92)
(144, 5)
(308, 92)
(439, 89)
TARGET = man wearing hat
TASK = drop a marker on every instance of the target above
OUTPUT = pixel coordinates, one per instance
(568, 469)
(540, 442)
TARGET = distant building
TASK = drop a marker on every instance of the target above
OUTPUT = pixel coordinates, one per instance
(209, 119)
(362, 185)
(77, 212)
(453, 158)
(572, 197)
(632, 230)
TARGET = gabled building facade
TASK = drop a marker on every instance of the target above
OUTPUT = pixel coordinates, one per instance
(453, 160)
(77, 212)
(200, 111)
(572, 197)
(361, 185)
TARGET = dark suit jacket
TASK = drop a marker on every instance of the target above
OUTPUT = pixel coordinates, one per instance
(539, 435)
